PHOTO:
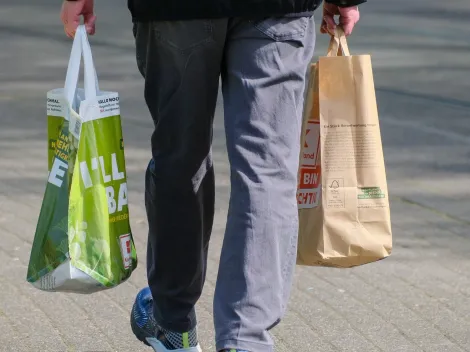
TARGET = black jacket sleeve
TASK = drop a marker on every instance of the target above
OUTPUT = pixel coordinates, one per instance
(346, 3)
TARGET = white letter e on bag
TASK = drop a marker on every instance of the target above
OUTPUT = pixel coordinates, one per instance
(57, 172)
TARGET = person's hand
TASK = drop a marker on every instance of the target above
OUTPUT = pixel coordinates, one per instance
(348, 17)
(71, 13)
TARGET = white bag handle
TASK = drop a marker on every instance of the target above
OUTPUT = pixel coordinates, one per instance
(81, 47)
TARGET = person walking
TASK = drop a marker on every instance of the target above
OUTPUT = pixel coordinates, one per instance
(261, 50)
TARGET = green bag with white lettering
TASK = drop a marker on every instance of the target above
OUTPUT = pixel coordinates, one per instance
(83, 241)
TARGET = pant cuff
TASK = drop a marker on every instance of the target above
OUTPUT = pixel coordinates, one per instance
(189, 323)
(243, 345)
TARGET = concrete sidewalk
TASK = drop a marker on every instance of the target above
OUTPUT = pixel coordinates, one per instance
(417, 300)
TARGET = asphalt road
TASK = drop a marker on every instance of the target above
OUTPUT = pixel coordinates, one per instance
(417, 300)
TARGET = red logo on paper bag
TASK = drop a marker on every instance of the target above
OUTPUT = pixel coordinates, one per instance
(308, 198)
(310, 177)
(311, 145)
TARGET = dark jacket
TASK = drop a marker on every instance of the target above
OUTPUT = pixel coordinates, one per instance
(147, 10)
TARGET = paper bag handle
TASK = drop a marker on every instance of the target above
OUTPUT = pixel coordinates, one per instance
(338, 44)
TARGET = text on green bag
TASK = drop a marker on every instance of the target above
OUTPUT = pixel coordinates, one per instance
(98, 165)
(60, 165)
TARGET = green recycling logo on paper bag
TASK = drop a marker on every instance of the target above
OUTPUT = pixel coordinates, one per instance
(99, 219)
(371, 193)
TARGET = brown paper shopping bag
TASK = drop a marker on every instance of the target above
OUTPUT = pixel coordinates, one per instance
(342, 193)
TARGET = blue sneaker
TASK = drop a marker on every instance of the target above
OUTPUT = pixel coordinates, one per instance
(146, 329)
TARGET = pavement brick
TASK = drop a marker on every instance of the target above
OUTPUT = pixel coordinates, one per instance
(359, 305)
(24, 316)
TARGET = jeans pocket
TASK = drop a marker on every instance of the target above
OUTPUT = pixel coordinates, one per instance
(284, 28)
(183, 35)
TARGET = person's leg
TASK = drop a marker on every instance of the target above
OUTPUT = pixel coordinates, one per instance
(264, 73)
(180, 61)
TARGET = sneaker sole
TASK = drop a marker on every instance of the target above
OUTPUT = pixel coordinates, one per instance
(158, 346)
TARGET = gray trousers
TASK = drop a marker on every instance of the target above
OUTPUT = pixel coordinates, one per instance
(263, 65)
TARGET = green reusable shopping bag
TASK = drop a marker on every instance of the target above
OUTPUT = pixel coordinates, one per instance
(83, 241)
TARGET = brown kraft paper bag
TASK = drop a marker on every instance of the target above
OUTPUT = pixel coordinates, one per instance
(342, 192)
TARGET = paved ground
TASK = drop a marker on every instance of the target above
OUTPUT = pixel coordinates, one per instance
(417, 300)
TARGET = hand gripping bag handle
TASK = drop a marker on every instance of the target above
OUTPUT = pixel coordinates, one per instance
(81, 47)
(338, 42)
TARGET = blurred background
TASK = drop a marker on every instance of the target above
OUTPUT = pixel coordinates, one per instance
(416, 300)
